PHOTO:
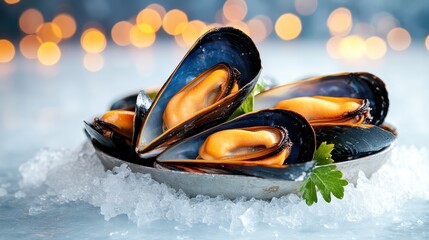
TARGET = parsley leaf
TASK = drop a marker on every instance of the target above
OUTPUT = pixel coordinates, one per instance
(323, 155)
(247, 105)
(327, 179)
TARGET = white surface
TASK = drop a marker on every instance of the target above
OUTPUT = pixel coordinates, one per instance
(65, 193)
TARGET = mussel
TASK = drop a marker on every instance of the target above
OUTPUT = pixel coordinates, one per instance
(351, 142)
(212, 80)
(117, 130)
(348, 86)
(269, 143)
(185, 126)
(129, 102)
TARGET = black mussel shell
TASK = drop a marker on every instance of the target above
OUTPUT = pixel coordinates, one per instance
(355, 85)
(220, 45)
(299, 131)
(126, 103)
(115, 144)
(353, 142)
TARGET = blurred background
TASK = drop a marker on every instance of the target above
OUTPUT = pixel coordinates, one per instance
(62, 62)
(40, 30)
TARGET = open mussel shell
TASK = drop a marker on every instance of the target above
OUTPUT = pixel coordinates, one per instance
(353, 142)
(126, 103)
(360, 85)
(227, 46)
(183, 155)
(129, 102)
(114, 143)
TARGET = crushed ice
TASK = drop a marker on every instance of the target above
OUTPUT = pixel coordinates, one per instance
(65, 175)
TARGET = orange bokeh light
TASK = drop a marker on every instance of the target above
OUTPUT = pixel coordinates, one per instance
(352, 47)
(11, 1)
(288, 26)
(234, 10)
(7, 51)
(149, 20)
(121, 33)
(333, 47)
(340, 21)
(427, 42)
(241, 26)
(141, 39)
(49, 53)
(375, 48)
(30, 20)
(399, 39)
(49, 32)
(258, 30)
(93, 40)
(66, 23)
(192, 31)
(174, 22)
(29, 46)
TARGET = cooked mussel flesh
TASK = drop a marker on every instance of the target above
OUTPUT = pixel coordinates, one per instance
(209, 88)
(350, 85)
(272, 139)
(225, 64)
(322, 110)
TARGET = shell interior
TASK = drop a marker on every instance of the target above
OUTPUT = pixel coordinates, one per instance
(221, 45)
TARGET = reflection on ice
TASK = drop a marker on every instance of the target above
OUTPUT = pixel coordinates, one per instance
(64, 176)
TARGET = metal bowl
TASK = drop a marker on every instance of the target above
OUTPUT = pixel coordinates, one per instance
(235, 186)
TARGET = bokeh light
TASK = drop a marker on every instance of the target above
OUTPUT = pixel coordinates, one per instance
(306, 7)
(174, 21)
(93, 62)
(141, 38)
(375, 48)
(180, 42)
(11, 1)
(240, 25)
(369, 37)
(49, 53)
(93, 40)
(288, 26)
(398, 39)
(333, 47)
(121, 33)
(49, 32)
(29, 46)
(427, 42)
(149, 20)
(192, 31)
(234, 10)
(340, 21)
(257, 29)
(66, 23)
(30, 20)
(352, 47)
(7, 51)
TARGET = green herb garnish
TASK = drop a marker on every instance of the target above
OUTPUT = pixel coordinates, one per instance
(152, 95)
(247, 105)
(327, 179)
